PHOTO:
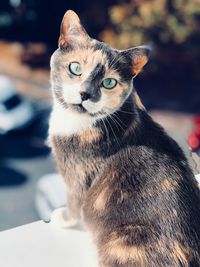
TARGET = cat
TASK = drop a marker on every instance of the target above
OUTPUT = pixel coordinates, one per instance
(126, 179)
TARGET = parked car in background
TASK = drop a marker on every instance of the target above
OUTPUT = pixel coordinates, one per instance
(15, 111)
(194, 138)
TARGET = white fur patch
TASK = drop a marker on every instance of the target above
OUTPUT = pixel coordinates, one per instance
(66, 122)
(94, 107)
(71, 93)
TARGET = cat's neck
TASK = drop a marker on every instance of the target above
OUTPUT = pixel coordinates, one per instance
(117, 125)
(64, 122)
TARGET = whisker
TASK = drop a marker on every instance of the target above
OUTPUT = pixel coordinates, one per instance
(125, 112)
(113, 131)
(106, 129)
(114, 61)
(117, 118)
(116, 122)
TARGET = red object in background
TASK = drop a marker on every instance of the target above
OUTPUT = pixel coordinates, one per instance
(194, 138)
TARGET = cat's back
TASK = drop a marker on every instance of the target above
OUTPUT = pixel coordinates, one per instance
(151, 153)
(156, 171)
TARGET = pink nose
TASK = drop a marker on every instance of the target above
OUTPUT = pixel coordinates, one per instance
(82, 90)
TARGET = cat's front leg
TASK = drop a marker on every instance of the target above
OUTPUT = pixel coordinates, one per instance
(68, 216)
(61, 218)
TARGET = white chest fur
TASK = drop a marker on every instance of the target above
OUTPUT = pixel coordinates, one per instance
(64, 122)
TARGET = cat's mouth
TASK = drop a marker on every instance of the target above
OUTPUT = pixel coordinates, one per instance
(79, 108)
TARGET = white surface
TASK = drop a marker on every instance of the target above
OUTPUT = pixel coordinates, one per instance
(42, 245)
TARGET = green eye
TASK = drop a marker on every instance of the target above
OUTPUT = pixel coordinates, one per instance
(75, 68)
(109, 83)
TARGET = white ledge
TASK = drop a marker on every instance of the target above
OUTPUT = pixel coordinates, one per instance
(43, 245)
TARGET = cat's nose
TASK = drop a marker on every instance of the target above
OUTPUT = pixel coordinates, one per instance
(84, 96)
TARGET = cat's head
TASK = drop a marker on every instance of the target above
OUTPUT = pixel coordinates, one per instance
(89, 76)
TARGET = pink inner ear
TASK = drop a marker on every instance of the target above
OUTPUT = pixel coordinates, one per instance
(69, 21)
(70, 29)
(138, 63)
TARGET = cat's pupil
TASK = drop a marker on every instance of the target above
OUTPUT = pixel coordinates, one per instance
(109, 83)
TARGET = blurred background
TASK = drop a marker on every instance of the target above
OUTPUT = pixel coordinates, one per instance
(29, 29)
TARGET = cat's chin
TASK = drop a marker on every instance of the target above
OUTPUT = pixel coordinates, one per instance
(80, 109)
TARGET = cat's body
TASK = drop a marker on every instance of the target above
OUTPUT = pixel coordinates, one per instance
(126, 179)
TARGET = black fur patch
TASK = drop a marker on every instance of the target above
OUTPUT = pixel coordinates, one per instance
(88, 182)
(93, 83)
(119, 61)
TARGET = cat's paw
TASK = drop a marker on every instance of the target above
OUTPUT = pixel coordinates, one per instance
(60, 219)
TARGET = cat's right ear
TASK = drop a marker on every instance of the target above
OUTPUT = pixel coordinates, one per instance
(71, 31)
(139, 57)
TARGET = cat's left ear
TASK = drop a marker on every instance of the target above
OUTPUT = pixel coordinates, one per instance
(139, 57)
(71, 31)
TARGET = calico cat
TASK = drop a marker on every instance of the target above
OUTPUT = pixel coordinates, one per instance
(126, 179)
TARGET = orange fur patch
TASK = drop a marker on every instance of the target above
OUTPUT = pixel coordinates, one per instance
(138, 64)
(101, 200)
(118, 250)
(167, 185)
(181, 254)
(89, 136)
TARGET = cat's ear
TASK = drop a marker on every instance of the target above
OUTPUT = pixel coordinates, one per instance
(71, 30)
(139, 57)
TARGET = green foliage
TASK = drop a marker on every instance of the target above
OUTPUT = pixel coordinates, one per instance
(159, 21)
